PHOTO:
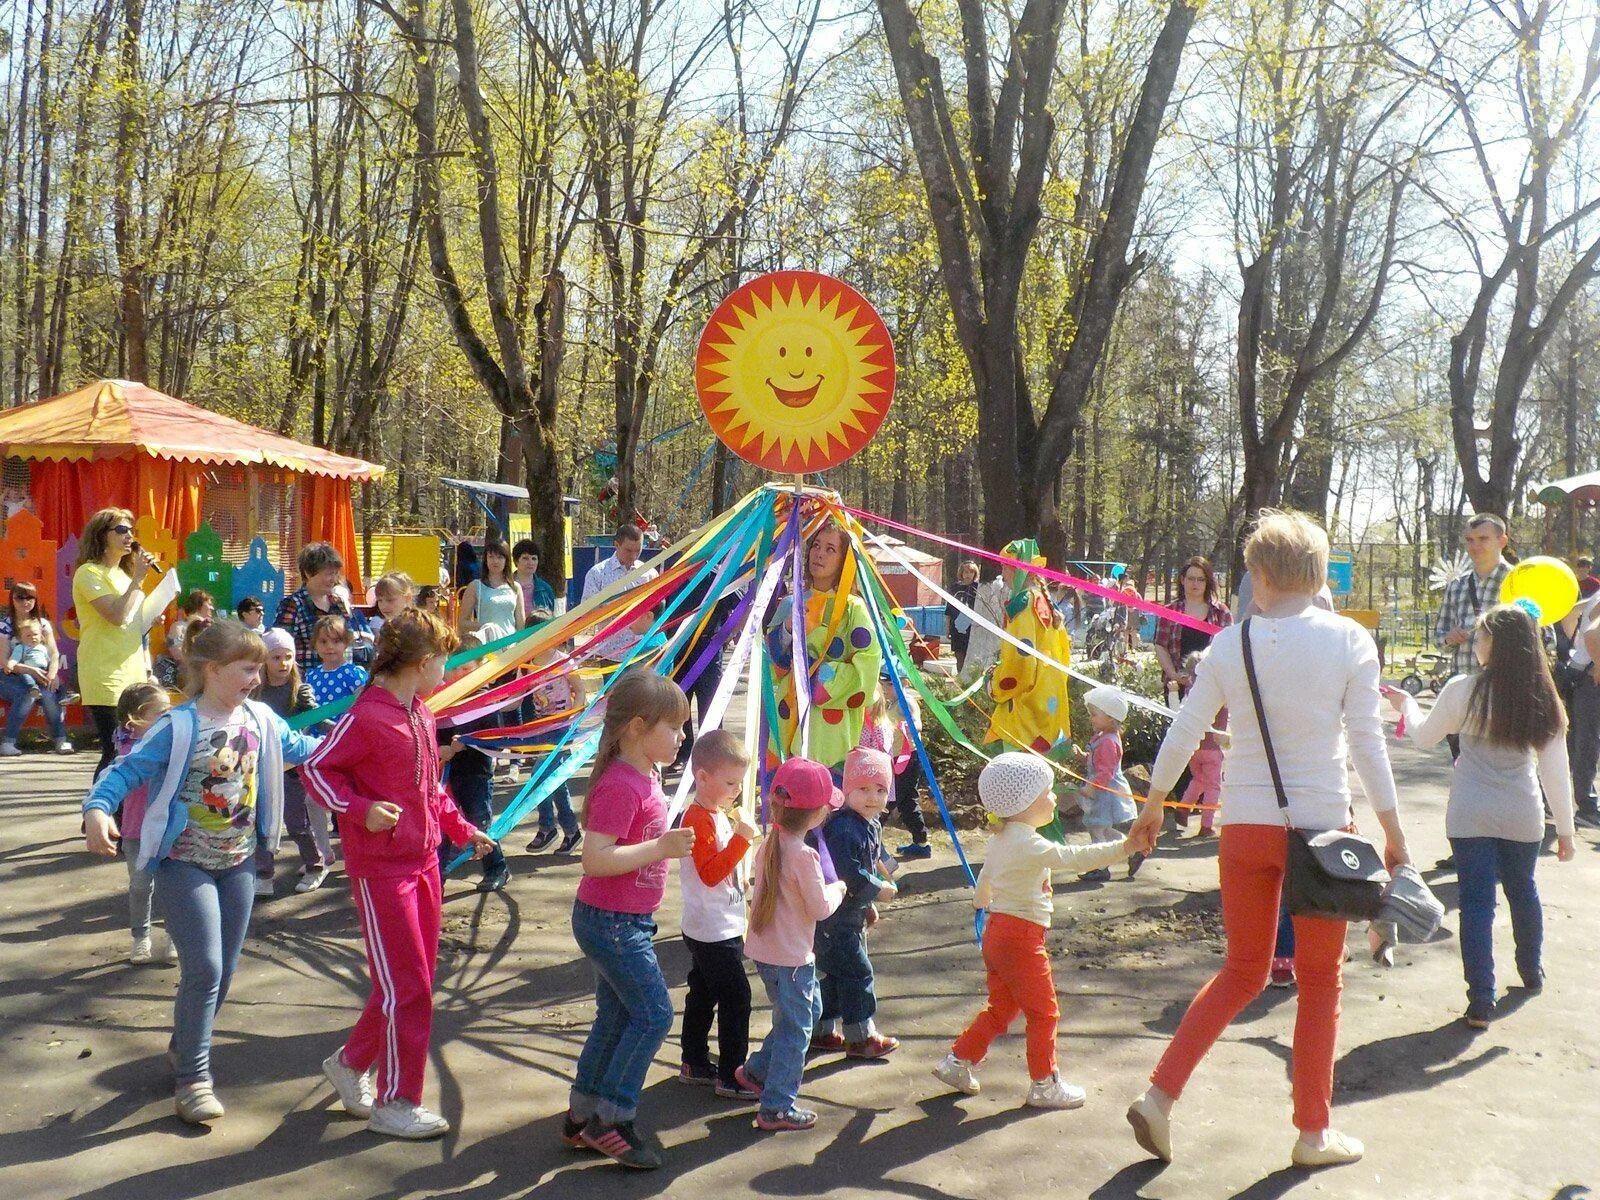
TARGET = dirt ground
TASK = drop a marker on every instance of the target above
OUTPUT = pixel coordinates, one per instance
(1511, 1113)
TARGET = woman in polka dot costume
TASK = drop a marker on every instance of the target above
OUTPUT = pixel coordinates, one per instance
(842, 655)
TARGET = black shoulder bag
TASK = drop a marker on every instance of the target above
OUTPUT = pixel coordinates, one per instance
(1330, 874)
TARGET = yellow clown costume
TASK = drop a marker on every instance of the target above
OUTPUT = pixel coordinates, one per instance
(843, 660)
(1032, 702)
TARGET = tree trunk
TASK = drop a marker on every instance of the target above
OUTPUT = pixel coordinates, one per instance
(125, 233)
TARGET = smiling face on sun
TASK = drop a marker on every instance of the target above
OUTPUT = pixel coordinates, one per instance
(795, 372)
(801, 358)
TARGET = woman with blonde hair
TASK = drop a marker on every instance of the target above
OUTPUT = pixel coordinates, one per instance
(1317, 675)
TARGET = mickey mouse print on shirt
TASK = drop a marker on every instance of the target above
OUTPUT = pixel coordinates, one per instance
(220, 793)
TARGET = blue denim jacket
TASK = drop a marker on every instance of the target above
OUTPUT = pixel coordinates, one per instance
(856, 845)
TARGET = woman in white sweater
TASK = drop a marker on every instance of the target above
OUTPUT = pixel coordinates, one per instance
(1318, 675)
(1513, 746)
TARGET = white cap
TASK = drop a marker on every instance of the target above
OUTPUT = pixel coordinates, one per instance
(276, 639)
(1108, 700)
(1010, 782)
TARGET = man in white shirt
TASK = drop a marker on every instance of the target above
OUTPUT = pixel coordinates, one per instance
(626, 546)
(1583, 711)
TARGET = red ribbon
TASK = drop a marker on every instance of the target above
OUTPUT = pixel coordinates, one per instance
(1175, 615)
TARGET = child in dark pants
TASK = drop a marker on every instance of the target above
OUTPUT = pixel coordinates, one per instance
(471, 783)
(714, 917)
(856, 847)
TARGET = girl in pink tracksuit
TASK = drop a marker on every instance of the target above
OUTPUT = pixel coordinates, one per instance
(378, 771)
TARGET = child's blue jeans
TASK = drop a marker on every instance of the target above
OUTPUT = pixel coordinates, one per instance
(781, 1060)
(207, 913)
(558, 807)
(1481, 862)
(633, 1012)
(845, 979)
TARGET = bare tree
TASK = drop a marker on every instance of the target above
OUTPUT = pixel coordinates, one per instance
(1317, 183)
(984, 172)
(519, 361)
(1540, 75)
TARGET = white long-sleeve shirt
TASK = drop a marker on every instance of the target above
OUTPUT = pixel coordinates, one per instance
(1494, 789)
(1319, 684)
(601, 576)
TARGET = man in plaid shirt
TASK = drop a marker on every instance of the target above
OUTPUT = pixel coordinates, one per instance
(1467, 598)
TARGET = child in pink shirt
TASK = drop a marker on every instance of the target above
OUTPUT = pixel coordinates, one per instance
(790, 897)
(626, 846)
(1205, 768)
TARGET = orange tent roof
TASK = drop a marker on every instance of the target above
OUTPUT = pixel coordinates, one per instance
(114, 418)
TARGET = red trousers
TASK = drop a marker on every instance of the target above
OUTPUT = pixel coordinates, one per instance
(400, 922)
(1251, 864)
(1019, 982)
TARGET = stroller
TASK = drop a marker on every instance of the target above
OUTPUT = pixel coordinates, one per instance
(1105, 632)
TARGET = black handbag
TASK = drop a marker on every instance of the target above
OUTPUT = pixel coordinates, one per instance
(1329, 873)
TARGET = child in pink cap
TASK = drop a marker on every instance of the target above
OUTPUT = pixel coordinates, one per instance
(790, 897)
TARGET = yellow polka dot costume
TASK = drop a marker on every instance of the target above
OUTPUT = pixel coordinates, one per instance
(844, 659)
(1031, 699)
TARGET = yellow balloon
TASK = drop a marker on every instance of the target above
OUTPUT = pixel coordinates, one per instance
(1548, 582)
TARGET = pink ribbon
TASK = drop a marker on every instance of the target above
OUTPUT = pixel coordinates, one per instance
(1177, 616)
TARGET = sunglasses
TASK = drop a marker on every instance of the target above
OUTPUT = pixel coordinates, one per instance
(122, 529)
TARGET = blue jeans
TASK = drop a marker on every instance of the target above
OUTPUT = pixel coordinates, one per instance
(633, 1012)
(796, 1005)
(1480, 862)
(207, 913)
(558, 807)
(1284, 947)
(473, 795)
(845, 979)
(20, 696)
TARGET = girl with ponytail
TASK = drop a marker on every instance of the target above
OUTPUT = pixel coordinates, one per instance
(625, 851)
(790, 898)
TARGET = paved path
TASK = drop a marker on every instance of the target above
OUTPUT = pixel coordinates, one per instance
(87, 1110)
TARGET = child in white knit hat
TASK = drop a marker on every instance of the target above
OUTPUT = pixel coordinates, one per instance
(1014, 886)
(1108, 808)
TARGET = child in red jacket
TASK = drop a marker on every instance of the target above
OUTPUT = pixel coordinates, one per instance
(385, 747)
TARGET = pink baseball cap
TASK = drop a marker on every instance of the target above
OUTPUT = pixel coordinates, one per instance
(864, 765)
(805, 784)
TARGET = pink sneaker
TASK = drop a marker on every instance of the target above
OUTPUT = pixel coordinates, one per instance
(1282, 973)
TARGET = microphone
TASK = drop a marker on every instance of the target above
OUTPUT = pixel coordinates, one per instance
(150, 559)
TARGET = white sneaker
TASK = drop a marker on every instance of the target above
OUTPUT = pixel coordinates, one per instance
(403, 1119)
(1152, 1128)
(65, 747)
(1052, 1093)
(1331, 1149)
(354, 1087)
(141, 952)
(9, 750)
(263, 887)
(197, 1103)
(957, 1073)
(312, 880)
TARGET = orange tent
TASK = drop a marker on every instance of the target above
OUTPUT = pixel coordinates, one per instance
(115, 443)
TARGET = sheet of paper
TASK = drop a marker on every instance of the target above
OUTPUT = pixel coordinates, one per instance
(155, 603)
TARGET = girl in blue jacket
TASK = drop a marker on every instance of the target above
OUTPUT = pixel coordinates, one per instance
(214, 771)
